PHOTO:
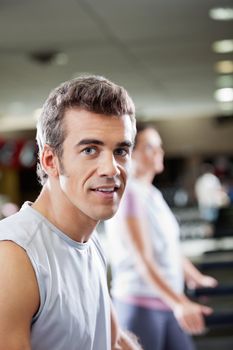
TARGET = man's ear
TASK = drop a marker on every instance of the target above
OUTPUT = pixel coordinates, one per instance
(49, 161)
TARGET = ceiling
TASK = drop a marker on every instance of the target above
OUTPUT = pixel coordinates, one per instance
(159, 50)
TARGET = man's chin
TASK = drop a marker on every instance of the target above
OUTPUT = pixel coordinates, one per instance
(107, 215)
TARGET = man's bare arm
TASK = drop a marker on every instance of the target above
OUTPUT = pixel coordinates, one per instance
(19, 297)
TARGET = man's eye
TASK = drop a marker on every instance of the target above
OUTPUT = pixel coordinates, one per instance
(89, 151)
(121, 152)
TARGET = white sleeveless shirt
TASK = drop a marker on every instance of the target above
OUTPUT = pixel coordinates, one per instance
(147, 201)
(74, 312)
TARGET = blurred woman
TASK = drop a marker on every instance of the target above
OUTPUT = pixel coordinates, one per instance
(148, 269)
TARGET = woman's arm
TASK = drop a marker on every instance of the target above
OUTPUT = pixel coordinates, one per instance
(194, 278)
(122, 340)
(188, 314)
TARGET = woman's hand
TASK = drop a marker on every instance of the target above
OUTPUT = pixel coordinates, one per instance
(190, 316)
(202, 281)
(127, 341)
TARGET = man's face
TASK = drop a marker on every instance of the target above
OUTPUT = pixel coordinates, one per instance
(95, 161)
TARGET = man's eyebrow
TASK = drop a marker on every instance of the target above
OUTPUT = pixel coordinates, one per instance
(89, 142)
(101, 143)
(128, 144)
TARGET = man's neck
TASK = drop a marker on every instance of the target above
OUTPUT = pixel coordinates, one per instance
(64, 216)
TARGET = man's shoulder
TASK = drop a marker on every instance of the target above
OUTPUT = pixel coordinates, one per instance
(19, 227)
(12, 221)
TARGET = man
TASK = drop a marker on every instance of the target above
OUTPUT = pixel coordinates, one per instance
(53, 293)
(148, 268)
(210, 194)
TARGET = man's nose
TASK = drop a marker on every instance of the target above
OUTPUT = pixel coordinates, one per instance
(108, 166)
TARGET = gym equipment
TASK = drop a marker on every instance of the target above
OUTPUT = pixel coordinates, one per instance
(219, 325)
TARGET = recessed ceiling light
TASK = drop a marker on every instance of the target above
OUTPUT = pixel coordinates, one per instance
(224, 67)
(224, 95)
(221, 13)
(223, 46)
(49, 57)
(224, 81)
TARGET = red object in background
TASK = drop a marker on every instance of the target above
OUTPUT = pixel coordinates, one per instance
(9, 153)
(222, 167)
(17, 153)
(1, 143)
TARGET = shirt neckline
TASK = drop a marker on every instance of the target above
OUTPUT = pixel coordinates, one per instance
(81, 246)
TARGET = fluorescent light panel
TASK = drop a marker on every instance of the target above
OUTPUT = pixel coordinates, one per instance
(224, 95)
(221, 13)
(223, 46)
(224, 67)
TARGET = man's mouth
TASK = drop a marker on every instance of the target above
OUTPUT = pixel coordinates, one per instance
(106, 189)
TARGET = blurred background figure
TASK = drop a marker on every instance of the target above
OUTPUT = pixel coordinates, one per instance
(7, 207)
(148, 268)
(210, 194)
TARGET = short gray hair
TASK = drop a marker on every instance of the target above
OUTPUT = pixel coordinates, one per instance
(92, 93)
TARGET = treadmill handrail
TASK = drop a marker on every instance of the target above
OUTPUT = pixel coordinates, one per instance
(220, 290)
